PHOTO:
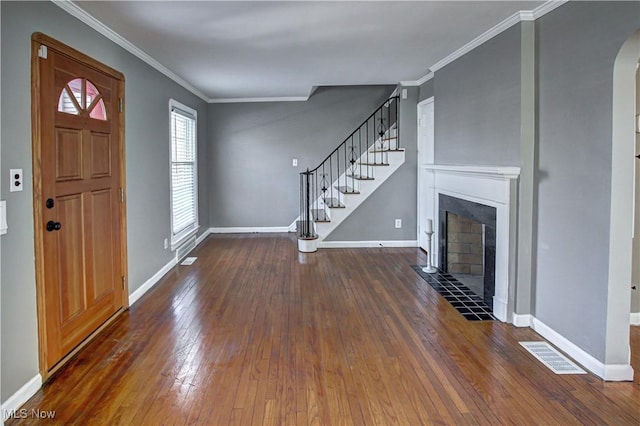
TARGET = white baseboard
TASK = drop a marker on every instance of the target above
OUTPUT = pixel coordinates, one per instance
(203, 237)
(136, 295)
(367, 244)
(140, 291)
(635, 318)
(610, 372)
(520, 320)
(248, 229)
(23, 394)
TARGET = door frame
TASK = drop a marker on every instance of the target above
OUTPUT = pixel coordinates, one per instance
(426, 155)
(617, 348)
(37, 40)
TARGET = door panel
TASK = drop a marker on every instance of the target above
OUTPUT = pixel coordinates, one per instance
(68, 154)
(69, 241)
(80, 170)
(100, 155)
(102, 242)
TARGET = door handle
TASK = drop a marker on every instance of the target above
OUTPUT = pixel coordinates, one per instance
(53, 226)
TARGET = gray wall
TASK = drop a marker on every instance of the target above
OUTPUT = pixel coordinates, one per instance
(251, 145)
(426, 90)
(577, 47)
(477, 112)
(147, 156)
(396, 198)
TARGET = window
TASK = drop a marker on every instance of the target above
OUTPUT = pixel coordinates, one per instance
(72, 101)
(184, 181)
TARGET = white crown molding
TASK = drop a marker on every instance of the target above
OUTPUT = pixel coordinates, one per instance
(247, 100)
(523, 15)
(482, 38)
(74, 10)
(418, 82)
(547, 7)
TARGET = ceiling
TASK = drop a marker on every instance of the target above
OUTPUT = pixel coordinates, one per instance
(235, 50)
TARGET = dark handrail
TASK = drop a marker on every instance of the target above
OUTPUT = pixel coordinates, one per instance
(385, 103)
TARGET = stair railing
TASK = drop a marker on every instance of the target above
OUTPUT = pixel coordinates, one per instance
(353, 160)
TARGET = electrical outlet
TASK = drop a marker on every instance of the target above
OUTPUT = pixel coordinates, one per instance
(398, 223)
(166, 243)
(16, 180)
(294, 162)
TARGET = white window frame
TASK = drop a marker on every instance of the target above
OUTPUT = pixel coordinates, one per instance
(178, 238)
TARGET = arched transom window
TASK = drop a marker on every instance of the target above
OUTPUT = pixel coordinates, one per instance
(81, 97)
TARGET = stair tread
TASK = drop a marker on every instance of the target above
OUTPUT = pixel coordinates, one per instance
(320, 215)
(360, 177)
(347, 190)
(333, 203)
(389, 150)
(374, 164)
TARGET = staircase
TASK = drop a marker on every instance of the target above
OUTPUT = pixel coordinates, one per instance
(351, 173)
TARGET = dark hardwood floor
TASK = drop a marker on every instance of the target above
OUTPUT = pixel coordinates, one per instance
(256, 333)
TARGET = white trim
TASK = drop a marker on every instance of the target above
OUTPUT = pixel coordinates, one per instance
(492, 186)
(520, 320)
(248, 229)
(21, 396)
(635, 318)
(498, 172)
(418, 82)
(187, 112)
(140, 291)
(523, 15)
(484, 37)
(267, 99)
(547, 7)
(74, 10)
(367, 244)
(610, 372)
(203, 237)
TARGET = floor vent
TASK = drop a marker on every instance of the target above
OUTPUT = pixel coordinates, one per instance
(549, 356)
(189, 261)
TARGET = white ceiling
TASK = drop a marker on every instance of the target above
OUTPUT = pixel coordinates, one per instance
(267, 49)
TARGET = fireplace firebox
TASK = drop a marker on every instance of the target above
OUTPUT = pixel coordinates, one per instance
(467, 233)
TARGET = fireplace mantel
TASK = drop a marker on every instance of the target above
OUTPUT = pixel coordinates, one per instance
(494, 186)
(499, 172)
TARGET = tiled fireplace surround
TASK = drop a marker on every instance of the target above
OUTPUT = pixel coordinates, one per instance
(488, 186)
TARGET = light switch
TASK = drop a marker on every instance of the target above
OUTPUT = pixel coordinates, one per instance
(294, 162)
(16, 180)
(404, 93)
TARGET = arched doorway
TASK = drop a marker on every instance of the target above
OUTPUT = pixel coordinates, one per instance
(617, 350)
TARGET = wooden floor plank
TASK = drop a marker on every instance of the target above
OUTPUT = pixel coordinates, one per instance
(256, 333)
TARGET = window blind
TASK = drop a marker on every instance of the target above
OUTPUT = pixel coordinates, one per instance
(184, 202)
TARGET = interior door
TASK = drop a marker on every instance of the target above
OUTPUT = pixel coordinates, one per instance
(79, 201)
(636, 234)
(425, 156)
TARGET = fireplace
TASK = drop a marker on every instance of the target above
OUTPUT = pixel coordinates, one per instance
(467, 240)
(495, 190)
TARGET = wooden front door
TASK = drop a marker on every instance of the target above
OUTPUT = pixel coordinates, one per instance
(78, 181)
